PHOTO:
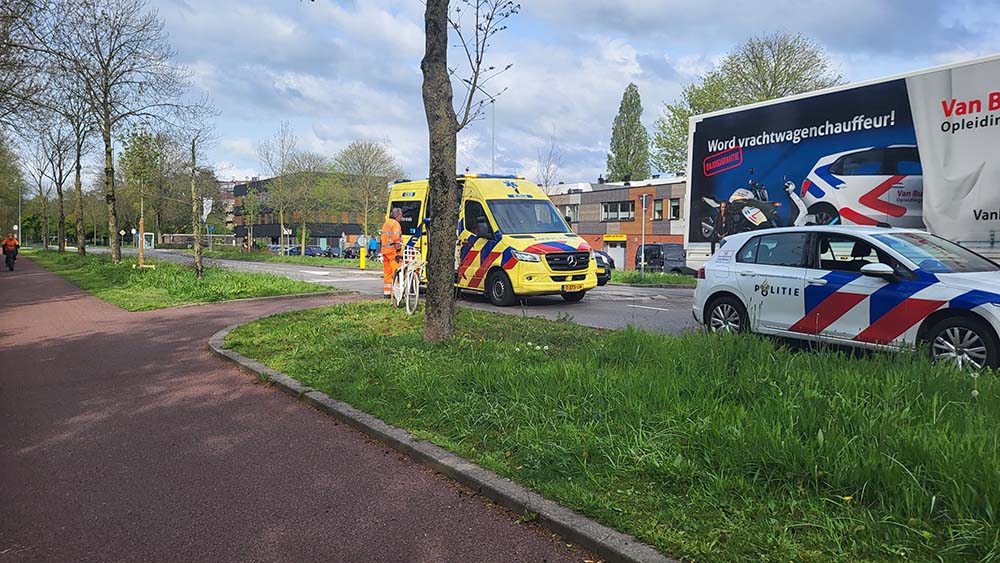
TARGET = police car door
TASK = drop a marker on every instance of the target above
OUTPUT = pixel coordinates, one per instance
(841, 303)
(770, 272)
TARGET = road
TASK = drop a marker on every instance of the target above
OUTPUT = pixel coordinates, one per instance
(666, 310)
(125, 439)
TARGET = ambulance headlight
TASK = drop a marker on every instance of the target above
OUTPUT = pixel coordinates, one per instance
(527, 256)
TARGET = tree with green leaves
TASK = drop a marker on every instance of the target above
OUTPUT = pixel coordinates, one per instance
(629, 154)
(764, 68)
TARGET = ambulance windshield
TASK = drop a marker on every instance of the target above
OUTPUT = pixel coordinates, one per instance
(527, 216)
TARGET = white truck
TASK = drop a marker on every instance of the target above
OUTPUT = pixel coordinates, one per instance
(920, 150)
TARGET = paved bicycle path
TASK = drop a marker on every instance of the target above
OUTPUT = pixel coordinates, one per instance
(122, 438)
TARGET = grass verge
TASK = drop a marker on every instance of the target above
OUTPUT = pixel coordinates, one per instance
(168, 285)
(651, 278)
(709, 448)
(316, 261)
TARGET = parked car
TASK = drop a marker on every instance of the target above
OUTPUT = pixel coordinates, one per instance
(869, 287)
(605, 265)
(351, 252)
(866, 187)
(666, 257)
(332, 252)
(311, 250)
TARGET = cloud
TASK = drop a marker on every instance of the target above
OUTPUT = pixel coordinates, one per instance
(900, 26)
(350, 69)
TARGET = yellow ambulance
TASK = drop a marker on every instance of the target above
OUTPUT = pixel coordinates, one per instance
(512, 242)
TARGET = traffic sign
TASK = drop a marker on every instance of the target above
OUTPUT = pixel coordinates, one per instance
(211, 228)
(122, 232)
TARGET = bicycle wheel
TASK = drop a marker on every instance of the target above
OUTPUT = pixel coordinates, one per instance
(412, 290)
(398, 286)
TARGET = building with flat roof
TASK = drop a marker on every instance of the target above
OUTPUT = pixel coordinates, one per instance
(609, 216)
(324, 230)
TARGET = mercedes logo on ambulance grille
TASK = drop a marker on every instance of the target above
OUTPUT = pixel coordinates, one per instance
(571, 260)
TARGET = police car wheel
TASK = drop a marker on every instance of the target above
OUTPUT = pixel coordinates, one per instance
(499, 290)
(965, 342)
(727, 314)
(573, 296)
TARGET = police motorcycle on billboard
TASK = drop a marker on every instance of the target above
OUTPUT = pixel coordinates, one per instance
(750, 209)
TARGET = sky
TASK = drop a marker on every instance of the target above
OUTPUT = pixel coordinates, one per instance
(339, 71)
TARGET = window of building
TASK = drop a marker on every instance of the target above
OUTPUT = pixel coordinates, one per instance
(618, 211)
(675, 208)
(571, 213)
(658, 210)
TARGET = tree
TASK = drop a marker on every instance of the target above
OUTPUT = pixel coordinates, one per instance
(277, 155)
(120, 53)
(22, 23)
(763, 68)
(75, 111)
(308, 195)
(250, 209)
(368, 166)
(629, 155)
(443, 124)
(58, 146)
(11, 185)
(36, 164)
(548, 164)
(198, 131)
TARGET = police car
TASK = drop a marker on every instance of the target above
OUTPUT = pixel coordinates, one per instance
(871, 287)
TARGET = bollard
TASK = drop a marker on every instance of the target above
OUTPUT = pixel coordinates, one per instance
(363, 254)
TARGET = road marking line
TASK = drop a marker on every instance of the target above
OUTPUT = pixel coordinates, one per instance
(651, 308)
(314, 273)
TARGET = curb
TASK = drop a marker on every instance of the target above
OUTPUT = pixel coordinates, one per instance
(654, 285)
(603, 541)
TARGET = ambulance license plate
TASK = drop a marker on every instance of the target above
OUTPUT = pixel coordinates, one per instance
(600, 270)
(572, 287)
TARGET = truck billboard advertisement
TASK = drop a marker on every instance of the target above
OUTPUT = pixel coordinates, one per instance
(919, 151)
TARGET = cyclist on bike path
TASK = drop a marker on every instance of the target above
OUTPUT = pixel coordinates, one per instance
(10, 246)
(392, 237)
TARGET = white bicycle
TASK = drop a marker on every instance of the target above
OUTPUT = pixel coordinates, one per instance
(406, 281)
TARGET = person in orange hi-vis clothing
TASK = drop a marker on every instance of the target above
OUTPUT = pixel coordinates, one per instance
(392, 242)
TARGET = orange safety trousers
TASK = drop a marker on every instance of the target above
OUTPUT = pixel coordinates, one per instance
(389, 267)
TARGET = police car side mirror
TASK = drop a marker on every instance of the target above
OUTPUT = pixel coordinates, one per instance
(879, 270)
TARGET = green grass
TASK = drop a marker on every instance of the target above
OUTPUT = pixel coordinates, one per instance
(710, 448)
(168, 285)
(230, 253)
(651, 278)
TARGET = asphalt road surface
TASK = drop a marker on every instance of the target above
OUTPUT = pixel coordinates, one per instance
(125, 439)
(666, 310)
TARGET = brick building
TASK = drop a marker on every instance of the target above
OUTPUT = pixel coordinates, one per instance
(609, 216)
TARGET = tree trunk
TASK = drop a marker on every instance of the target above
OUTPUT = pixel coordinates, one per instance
(81, 235)
(443, 196)
(61, 225)
(45, 222)
(302, 248)
(281, 234)
(199, 269)
(109, 195)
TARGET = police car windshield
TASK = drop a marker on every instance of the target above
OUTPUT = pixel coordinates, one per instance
(936, 255)
(527, 216)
